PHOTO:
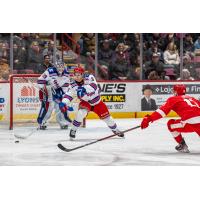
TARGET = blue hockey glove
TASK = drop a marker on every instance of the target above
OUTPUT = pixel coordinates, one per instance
(63, 107)
(70, 108)
(81, 92)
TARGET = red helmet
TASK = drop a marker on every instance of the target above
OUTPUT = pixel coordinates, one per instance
(180, 89)
(78, 70)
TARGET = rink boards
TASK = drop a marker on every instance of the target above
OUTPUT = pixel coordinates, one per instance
(122, 98)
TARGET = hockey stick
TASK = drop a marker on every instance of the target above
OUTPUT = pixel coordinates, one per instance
(25, 136)
(60, 146)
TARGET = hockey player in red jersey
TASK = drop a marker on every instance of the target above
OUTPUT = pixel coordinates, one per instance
(187, 107)
(86, 89)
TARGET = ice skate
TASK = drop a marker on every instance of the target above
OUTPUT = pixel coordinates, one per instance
(118, 133)
(182, 147)
(64, 127)
(42, 127)
(72, 134)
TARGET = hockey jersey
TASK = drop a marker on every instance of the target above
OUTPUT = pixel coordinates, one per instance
(51, 81)
(185, 106)
(92, 95)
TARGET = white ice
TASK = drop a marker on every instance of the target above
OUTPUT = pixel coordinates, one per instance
(152, 146)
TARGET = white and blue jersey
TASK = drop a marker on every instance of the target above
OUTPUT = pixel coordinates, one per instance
(52, 87)
(55, 82)
(92, 95)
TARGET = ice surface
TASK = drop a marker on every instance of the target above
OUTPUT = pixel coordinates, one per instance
(152, 146)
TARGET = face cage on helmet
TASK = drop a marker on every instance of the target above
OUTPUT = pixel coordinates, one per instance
(60, 67)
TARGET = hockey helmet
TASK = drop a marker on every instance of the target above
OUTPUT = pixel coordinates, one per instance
(60, 65)
(78, 70)
(180, 89)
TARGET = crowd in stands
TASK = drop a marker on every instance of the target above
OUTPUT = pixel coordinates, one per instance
(118, 54)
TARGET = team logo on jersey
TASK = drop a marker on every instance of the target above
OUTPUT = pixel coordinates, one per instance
(28, 91)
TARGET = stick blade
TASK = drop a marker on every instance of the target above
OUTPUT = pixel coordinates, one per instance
(60, 146)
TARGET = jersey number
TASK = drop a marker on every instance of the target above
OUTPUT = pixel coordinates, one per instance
(191, 103)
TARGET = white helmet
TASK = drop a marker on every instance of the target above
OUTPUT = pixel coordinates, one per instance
(60, 66)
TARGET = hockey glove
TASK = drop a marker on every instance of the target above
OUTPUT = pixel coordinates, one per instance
(145, 122)
(81, 92)
(70, 108)
(63, 107)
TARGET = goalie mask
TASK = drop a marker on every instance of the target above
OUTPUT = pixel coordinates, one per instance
(60, 66)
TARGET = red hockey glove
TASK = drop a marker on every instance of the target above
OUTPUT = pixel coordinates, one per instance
(145, 122)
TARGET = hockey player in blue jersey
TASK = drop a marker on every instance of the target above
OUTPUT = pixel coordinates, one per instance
(53, 83)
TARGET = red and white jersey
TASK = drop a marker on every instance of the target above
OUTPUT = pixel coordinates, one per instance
(92, 95)
(188, 108)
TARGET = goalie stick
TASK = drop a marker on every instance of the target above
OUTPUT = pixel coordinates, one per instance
(60, 146)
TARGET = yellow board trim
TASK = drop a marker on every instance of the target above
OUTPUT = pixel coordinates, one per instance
(91, 115)
(1, 117)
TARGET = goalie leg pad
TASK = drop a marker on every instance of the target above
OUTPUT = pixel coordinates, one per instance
(43, 111)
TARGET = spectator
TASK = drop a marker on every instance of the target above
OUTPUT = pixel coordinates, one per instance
(130, 40)
(197, 47)
(134, 74)
(171, 55)
(186, 75)
(107, 36)
(120, 66)
(105, 53)
(89, 63)
(153, 65)
(35, 37)
(104, 59)
(19, 58)
(102, 72)
(49, 51)
(188, 45)
(197, 75)
(35, 58)
(88, 43)
(22, 41)
(134, 54)
(4, 70)
(4, 51)
(154, 49)
(151, 37)
(170, 37)
(187, 64)
(46, 64)
(153, 75)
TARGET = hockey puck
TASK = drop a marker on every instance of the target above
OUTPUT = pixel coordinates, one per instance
(16, 141)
